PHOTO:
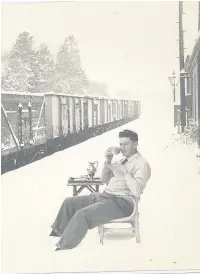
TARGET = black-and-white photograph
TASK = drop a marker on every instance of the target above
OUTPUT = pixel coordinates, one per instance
(100, 136)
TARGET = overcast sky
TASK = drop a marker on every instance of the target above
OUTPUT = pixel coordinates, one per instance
(127, 45)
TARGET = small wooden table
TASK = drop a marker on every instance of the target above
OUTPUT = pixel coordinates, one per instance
(80, 183)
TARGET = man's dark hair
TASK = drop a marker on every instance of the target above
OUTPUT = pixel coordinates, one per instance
(129, 134)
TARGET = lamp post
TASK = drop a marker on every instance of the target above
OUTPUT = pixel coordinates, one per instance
(172, 80)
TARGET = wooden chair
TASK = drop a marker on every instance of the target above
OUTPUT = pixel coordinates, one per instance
(133, 219)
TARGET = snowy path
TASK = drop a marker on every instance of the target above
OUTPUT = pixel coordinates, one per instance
(169, 208)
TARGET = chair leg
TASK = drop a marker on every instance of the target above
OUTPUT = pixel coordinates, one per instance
(137, 229)
(133, 228)
(101, 234)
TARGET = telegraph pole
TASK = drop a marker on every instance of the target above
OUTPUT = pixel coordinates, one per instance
(199, 18)
(182, 72)
(199, 81)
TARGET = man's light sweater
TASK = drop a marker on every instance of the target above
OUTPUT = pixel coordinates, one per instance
(127, 179)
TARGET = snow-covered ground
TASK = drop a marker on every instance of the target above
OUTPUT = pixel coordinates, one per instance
(169, 208)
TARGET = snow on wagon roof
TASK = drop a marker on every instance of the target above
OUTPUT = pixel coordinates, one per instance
(85, 95)
(23, 93)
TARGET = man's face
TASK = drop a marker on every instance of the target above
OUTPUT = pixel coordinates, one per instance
(127, 146)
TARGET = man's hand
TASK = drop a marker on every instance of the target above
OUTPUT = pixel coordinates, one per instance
(109, 155)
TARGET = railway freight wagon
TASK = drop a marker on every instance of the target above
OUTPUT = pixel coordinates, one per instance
(36, 125)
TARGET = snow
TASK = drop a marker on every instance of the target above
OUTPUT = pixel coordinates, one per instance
(169, 208)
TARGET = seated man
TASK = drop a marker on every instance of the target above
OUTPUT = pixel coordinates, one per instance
(128, 178)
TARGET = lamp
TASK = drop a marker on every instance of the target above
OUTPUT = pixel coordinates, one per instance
(172, 80)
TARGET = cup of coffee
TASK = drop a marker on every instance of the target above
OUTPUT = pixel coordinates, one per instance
(116, 150)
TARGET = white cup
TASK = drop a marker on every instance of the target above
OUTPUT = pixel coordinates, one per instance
(116, 150)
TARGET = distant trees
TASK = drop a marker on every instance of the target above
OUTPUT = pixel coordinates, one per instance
(27, 69)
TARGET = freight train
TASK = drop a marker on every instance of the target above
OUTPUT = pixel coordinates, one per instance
(36, 125)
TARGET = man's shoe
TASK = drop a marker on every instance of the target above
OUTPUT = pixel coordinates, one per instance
(53, 233)
(57, 249)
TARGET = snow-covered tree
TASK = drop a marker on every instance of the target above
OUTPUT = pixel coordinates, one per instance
(70, 76)
(18, 75)
(46, 69)
(28, 69)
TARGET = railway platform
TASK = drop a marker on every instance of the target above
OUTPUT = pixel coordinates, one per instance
(169, 208)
